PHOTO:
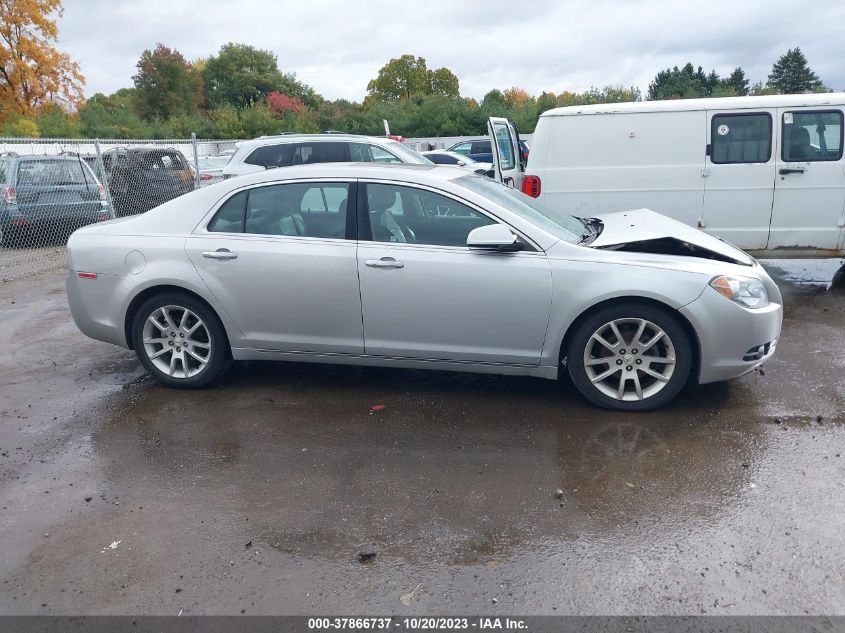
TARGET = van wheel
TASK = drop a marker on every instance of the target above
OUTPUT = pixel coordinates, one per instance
(180, 341)
(630, 357)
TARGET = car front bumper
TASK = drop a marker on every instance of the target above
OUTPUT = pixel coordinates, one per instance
(733, 340)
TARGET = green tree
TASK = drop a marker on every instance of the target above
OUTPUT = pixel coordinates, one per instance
(241, 76)
(408, 76)
(112, 116)
(166, 84)
(444, 82)
(54, 122)
(20, 127)
(546, 101)
(791, 74)
(738, 82)
(675, 83)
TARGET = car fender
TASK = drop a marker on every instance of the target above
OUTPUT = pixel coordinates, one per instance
(578, 287)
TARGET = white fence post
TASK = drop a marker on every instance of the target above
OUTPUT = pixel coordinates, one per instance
(101, 172)
(196, 159)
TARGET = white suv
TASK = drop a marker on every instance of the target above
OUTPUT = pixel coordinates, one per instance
(300, 149)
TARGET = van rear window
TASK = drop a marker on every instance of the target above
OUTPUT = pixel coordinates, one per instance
(741, 138)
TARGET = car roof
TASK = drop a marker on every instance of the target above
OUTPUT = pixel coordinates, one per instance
(413, 173)
(718, 103)
(45, 157)
(329, 138)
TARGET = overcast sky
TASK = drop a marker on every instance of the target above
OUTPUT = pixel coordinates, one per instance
(337, 46)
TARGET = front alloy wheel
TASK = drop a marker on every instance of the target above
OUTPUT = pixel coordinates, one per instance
(180, 341)
(633, 357)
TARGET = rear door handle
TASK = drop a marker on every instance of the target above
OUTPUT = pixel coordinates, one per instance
(798, 170)
(384, 262)
(220, 254)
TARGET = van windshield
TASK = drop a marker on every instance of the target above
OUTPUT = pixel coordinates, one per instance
(562, 225)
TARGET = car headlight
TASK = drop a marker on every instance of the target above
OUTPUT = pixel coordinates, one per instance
(746, 291)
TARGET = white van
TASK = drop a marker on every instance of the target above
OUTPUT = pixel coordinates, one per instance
(765, 173)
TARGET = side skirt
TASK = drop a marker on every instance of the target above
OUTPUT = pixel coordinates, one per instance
(538, 371)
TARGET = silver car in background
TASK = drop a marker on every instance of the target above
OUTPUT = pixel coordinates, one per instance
(425, 267)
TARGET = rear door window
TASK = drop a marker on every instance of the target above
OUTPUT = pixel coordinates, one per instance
(271, 155)
(320, 152)
(230, 217)
(741, 138)
(810, 136)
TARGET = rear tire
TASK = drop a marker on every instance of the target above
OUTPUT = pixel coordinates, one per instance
(180, 341)
(630, 357)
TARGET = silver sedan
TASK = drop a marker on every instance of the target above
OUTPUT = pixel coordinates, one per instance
(426, 267)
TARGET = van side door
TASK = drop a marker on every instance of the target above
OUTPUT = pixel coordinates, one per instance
(809, 206)
(739, 176)
(504, 142)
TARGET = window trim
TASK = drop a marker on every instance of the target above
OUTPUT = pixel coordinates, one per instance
(826, 111)
(365, 229)
(738, 114)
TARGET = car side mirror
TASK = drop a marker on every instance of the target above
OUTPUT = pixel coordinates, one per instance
(461, 163)
(494, 237)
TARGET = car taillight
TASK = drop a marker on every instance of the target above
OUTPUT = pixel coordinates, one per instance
(206, 176)
(524, 155)
(531, 186)
(10, 194)
(102, 189)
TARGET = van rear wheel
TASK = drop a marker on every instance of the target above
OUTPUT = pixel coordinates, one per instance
(630, 357)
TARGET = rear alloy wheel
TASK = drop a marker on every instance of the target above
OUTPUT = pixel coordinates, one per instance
(180, 341)
(630, 357)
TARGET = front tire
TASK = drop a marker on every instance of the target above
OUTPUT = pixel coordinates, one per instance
(180, 341)
(630, 357)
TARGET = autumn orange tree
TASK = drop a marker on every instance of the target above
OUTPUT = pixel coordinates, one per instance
(33, 73)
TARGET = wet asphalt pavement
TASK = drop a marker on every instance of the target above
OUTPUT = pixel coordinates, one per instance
(119, 496)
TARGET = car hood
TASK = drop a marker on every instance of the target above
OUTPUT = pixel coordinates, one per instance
(644, 231)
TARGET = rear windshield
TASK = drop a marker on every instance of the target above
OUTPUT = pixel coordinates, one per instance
(167, 161)
(51, 172)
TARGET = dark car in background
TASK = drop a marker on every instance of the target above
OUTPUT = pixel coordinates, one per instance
(47, 196)
(140, 178)
(480, 150)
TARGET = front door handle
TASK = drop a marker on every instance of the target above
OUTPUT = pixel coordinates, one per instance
(797, 170)
(384, 262)
(221, 254)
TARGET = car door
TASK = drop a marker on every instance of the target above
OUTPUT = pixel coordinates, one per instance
(281, 260)
(739, 175)
(506, 152)
(809, 197)
(425, 295)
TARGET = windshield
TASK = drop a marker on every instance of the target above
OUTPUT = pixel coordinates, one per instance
(407, 154)
(562, 225)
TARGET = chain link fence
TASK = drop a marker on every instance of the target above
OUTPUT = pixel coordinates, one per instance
(51, 187)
